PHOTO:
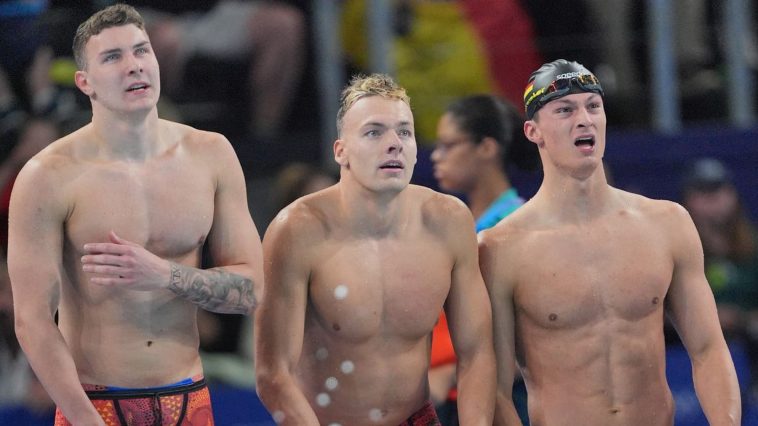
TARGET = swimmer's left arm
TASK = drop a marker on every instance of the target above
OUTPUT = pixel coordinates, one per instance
(234, 245)
(693, 311)
(470, 323)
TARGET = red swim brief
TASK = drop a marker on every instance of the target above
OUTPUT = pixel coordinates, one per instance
(426, 416)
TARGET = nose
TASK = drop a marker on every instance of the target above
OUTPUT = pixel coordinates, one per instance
(585, 118)
(395, 143)
(135, 65)
(436, 155)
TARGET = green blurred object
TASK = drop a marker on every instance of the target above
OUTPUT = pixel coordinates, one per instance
(62, 71)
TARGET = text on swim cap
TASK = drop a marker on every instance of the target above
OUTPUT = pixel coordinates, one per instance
(569, 75)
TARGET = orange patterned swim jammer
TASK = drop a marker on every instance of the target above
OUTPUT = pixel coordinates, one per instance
(182, 404)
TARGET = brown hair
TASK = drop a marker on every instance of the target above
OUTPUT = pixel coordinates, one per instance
(112, 16)
(362, 86)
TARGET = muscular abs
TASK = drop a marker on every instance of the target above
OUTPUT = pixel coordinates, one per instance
(589, 322)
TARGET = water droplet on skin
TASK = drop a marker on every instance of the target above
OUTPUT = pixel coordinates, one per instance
(278, 417)
(347, 367)
(322, 354)
(323, 399)
(331, 383)
(340, 292)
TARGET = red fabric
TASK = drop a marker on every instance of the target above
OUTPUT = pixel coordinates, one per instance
(508, 36)
(442, 350)
(5, 202)
(442, 345)
(426, 416)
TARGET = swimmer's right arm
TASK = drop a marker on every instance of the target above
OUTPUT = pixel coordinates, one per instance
(280, 321)
(500, 289)
(35, 254)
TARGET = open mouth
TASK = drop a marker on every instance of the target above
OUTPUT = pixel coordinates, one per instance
(392, 165)
(588, 141)
(137, 86)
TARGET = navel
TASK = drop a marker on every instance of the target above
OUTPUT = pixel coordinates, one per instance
(336, 327)
(149, 343)
(552, 317)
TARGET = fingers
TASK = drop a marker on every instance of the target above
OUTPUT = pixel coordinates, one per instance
(112, 269)
(105, 259)
(116, 271)
(109, 248)
(117, 245)
(118, 240)
(107, 274)
(106, 281)
(114, 238)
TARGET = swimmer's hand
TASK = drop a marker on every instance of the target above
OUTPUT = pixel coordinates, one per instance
(124, 263)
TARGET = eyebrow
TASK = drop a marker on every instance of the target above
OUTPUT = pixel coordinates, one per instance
(378, 124)
(565, 101)
(118, 49)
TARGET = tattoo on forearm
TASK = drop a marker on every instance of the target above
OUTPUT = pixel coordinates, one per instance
(214, 290)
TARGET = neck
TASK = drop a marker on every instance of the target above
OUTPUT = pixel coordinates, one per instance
(487, 189)
(575, 199)
(127, 137)
(368, 212)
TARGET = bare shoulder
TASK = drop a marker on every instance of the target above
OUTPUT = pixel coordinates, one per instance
(56, 165)
(663, 214)
(209, 145)
(305, 221)
(513, 230)
(440, 211)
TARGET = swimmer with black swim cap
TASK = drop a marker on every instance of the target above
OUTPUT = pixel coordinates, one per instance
(582, 275)
(555, 80)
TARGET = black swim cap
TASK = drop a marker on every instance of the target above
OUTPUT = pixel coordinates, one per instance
(555, 80)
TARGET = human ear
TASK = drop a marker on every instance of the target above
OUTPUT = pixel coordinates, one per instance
(533, 133)
(82, 82)
(339, 152)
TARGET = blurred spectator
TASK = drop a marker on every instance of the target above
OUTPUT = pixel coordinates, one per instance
(730, 245)
(14, 370)
(26, 62)
(476, 139)
(436, 52)
(446, 49)
(507, 34)
(269, 36)
(36, 134)
(298, 179)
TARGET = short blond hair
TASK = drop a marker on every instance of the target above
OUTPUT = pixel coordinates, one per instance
(362, 86)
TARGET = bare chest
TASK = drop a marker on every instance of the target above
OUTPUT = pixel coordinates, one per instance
(168, 211)
(577, 278)
(366, 288)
